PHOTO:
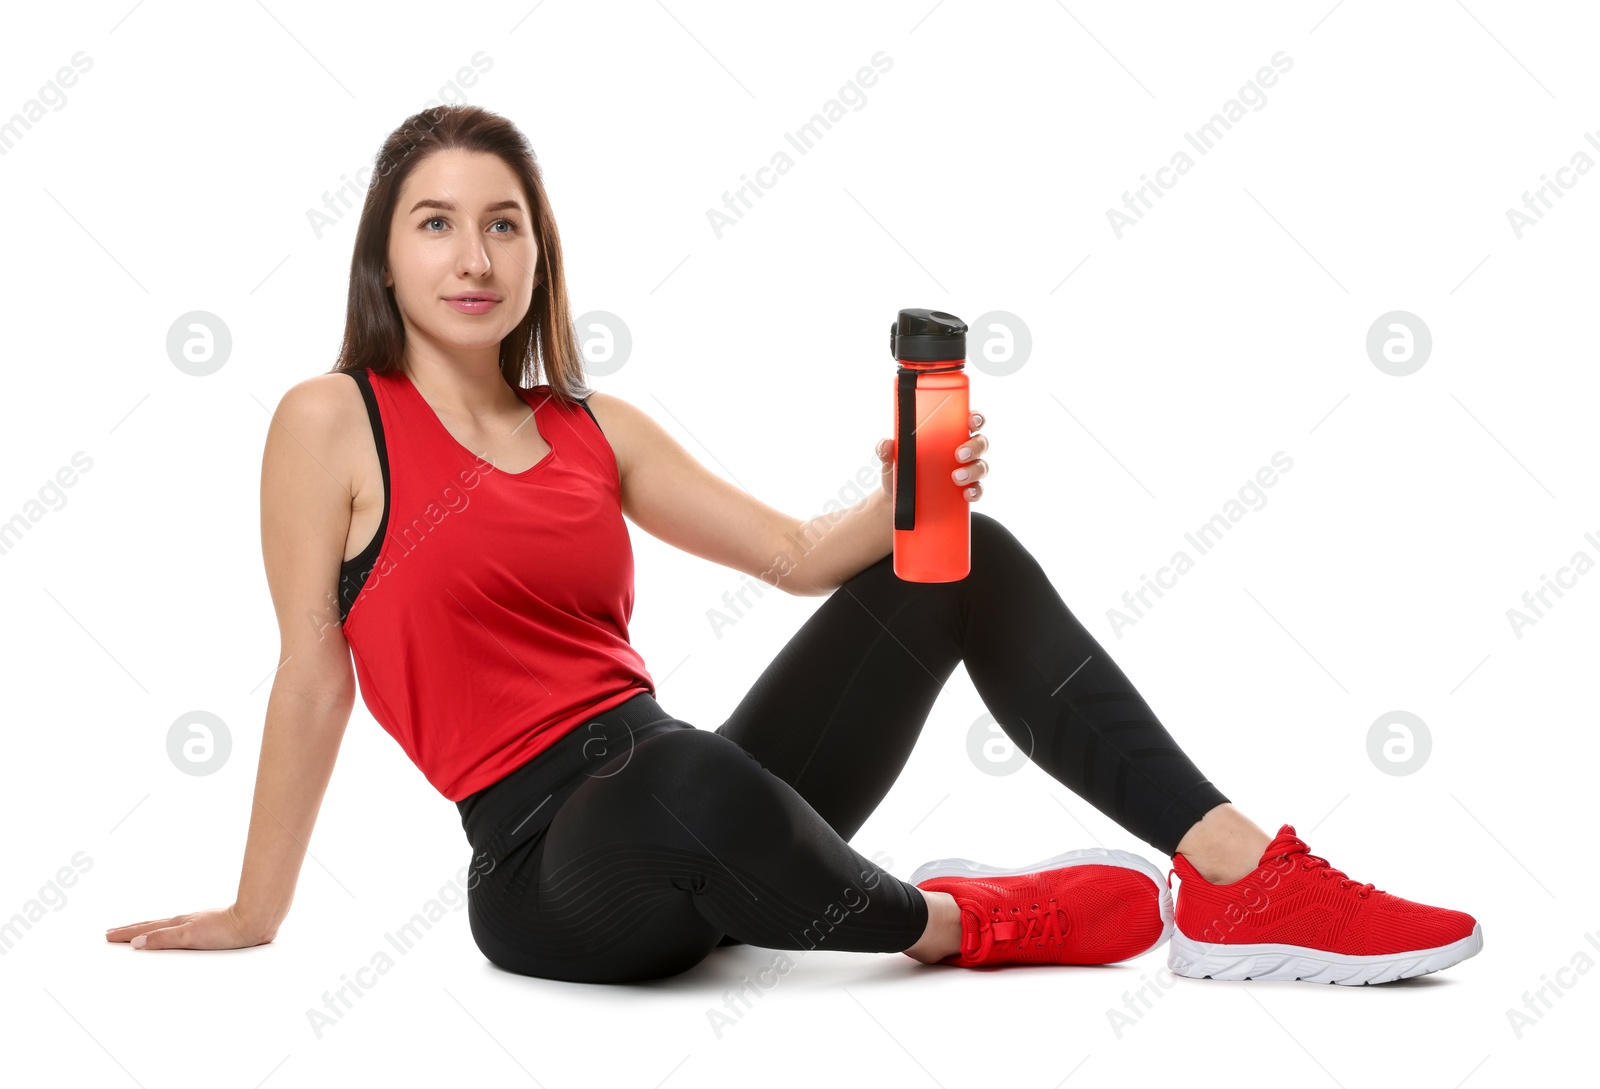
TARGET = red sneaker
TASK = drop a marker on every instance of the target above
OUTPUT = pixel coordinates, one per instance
(1289, 919)
(1090, 906)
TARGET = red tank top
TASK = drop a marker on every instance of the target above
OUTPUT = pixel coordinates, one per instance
(489, 615)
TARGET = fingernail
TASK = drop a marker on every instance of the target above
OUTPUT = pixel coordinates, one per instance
(138, 943)
(962, 474)
(964, 453)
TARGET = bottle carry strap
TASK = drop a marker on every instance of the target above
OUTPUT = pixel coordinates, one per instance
(905, 444)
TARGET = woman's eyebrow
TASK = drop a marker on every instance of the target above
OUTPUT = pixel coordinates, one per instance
(497, 206)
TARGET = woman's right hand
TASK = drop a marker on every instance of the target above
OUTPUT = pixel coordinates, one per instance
(213, 929)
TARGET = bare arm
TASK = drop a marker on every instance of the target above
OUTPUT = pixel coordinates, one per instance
(825, 551)
(305, 520)
(673, 497)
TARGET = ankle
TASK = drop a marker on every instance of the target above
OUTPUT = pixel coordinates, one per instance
(1224, 845)
(941, 937)
(1223, 871)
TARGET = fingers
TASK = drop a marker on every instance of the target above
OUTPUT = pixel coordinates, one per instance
(974, 421)
(971, 472)
(123, 933)
(166, 937)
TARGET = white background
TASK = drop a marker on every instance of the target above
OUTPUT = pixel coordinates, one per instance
(1227, 325)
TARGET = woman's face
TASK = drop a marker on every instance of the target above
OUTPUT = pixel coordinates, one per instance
(462, 226)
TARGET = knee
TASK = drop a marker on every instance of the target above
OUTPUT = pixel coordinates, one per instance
(992, 542)
(986, 527)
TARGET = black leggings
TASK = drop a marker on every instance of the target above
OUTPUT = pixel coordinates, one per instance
(638, 843)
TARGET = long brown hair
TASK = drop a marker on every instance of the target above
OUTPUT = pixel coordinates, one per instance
(374, 335)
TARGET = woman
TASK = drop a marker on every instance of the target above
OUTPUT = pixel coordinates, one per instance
(478, 572)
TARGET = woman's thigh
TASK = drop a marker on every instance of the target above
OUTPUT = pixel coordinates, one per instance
(650, 861)
(593, 896)
(838, 711)
(620, 928)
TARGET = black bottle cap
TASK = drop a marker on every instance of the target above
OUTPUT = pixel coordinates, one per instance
(928, 336)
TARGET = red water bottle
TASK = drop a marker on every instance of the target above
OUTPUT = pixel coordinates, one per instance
(932, 519)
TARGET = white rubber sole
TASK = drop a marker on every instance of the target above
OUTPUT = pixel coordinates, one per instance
(1084, 856)
(1268, 961)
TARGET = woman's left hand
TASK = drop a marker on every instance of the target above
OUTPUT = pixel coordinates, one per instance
(968, 477)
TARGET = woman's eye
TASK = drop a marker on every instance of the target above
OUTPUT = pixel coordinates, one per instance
(507, 222)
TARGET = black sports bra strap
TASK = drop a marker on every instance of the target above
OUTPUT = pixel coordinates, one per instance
(590, 411)
(353, 572)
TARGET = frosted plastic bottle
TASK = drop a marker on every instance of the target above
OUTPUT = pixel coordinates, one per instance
(932, 518)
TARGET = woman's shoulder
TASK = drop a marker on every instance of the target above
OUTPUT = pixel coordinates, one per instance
(323, 400)
(327, 415)
(609, 407)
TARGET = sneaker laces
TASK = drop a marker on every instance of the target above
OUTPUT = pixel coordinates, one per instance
(1293, 847)
(1011, 922)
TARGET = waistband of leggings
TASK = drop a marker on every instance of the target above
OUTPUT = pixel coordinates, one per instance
(584, 749)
